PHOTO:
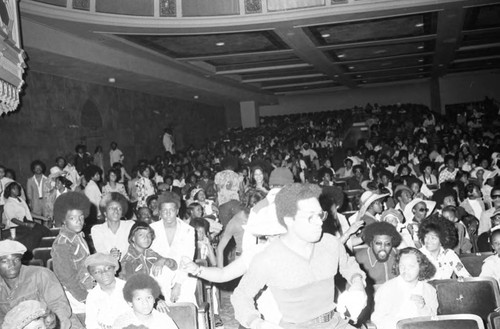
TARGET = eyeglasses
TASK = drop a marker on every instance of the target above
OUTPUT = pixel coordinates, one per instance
(496, 196)
(322, 215)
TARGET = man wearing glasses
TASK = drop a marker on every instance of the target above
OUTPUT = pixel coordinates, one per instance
(298, 268)
(485, 219)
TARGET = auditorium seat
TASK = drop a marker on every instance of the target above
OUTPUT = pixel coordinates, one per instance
(494, 320)
(185, 315)
(42, 254)
(474, 262)
(47, 241)
(457, 321)
(479, 296)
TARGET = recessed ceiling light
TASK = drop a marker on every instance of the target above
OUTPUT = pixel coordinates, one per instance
(419, 25)
(440, 65)
(358, 76)
(336, 76)
(420, 47)
(364, 81)
(196, 96)
(421, 60)
(220, 44)
(341, 55)
(420, 69)
(111, 80)
(325, 35)
(351, 67)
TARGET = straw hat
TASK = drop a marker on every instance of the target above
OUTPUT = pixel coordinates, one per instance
(408, 211)
(367, 198)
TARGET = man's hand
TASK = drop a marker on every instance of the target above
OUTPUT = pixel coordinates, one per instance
(418, 300)
(50, 321)
(158, 266)
(176, 292)
(115, 253)
(29, 224)
(190, 267)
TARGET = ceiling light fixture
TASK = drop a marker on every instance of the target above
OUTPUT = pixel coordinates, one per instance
(111, 80)
(196, 96)
(219, 44)
(421, 60)
(351, 67)
(419, 25)
(420, 47)
(325, 35)
(341, 55)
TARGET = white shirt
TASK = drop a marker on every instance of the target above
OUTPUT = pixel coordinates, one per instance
(94, 194)
(446, 263)
(102, 309)
(491, 268)
(114, 156)
(105, 240)
(15, 208)
(476, 207)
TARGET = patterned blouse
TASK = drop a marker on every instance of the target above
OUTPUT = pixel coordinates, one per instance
(446, 263)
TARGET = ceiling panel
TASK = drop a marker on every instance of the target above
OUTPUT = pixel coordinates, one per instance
(481, 52)
(294, 81)
(181, 46)
(480, 38)
(482, 17)
(257, 58)
(387, 64)
(308, 87)
(394, 78)
(375, 29)
(476, 65)
(279, 73)
(379, 51)
(390, 73)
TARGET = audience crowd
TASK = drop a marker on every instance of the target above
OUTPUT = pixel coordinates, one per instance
(398, 208)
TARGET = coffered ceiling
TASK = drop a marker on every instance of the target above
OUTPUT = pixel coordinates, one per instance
(359, 45)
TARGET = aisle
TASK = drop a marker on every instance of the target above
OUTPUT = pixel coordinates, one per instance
(227, 312)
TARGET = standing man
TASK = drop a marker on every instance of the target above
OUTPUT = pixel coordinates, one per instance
(115, 154)
(168, 141)
(298, 268)
(19, 283)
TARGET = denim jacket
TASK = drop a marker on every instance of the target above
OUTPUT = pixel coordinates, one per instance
(69, 252)
(134, 262)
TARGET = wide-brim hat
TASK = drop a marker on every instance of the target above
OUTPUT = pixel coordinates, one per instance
(408, 211)
(56, 172)
(263, 219)
(367, 198)
(23, 314)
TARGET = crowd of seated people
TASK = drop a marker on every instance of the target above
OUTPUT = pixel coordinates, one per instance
(418, 195)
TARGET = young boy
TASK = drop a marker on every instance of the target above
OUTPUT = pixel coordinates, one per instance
(139, 257)
(464, 244)
(141, 292)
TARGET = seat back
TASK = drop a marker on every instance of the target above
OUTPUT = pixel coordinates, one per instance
(474, 262)
(458, 321)
(479, 296)
(42, 253)
(185, 315)
(494, 320)
(47, 241)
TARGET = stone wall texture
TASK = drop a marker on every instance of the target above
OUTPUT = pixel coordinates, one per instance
(57, 113)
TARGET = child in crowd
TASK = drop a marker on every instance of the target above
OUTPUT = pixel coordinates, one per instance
(491, 265)
(204, 248)
(141, 292)
(139, 257)
(464, 244)
(193, 210)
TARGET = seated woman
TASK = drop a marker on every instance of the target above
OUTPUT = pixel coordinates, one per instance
(141, 292)
(491, 265)
(113, 177)
(209, 208)
(70, 249)
(17, 217)
(439, 237)
(105, 301)
(112, 236)
(407, 295)
(259, 180)
(139, 257)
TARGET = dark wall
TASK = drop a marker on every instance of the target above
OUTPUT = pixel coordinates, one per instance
(58, 113)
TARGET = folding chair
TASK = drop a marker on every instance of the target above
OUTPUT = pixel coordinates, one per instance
(474, 262)
(55, 231)
(47, 241)
(479, 296)
(204, 299)
(42, 254)
(185, 315)
(494, 320)
(457, 321)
